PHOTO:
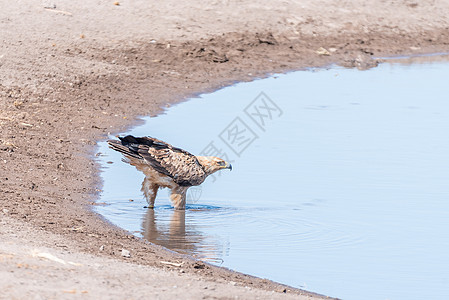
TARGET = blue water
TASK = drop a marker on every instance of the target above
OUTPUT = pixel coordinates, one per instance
(339, 182)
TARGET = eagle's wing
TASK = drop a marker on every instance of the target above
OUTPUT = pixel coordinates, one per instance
(182, 166)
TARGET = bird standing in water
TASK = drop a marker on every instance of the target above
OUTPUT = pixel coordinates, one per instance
(166, 166)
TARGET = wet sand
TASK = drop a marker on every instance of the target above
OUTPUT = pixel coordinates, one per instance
(73, 72)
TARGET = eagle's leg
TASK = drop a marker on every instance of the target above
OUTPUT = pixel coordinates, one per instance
(178, 197)
(149, 189)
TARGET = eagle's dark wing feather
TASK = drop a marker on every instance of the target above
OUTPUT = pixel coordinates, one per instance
(182, 166)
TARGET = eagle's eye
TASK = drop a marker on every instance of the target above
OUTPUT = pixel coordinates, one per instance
(221, 163)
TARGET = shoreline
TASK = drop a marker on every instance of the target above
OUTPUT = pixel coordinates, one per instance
(61, 95)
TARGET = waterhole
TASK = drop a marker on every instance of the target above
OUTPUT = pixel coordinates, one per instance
(340, 181)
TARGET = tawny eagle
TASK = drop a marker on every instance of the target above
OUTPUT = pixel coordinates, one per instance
(166, 166)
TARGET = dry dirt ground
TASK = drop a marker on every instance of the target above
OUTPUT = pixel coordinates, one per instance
(72, 72)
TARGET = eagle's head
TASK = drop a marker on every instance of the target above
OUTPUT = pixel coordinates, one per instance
(212, 164)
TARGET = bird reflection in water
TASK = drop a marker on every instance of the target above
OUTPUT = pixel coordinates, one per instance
(175, 235)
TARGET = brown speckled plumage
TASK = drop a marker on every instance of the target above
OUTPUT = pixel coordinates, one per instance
(166, 166)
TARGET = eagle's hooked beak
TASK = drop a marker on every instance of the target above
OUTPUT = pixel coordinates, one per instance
(228, 166)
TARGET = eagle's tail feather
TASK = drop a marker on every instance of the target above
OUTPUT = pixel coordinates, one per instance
(118, 146)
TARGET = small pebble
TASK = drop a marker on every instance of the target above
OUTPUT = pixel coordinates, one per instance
(126, 253)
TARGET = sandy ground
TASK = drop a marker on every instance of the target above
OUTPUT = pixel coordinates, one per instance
(72, 72)
(36, 270)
